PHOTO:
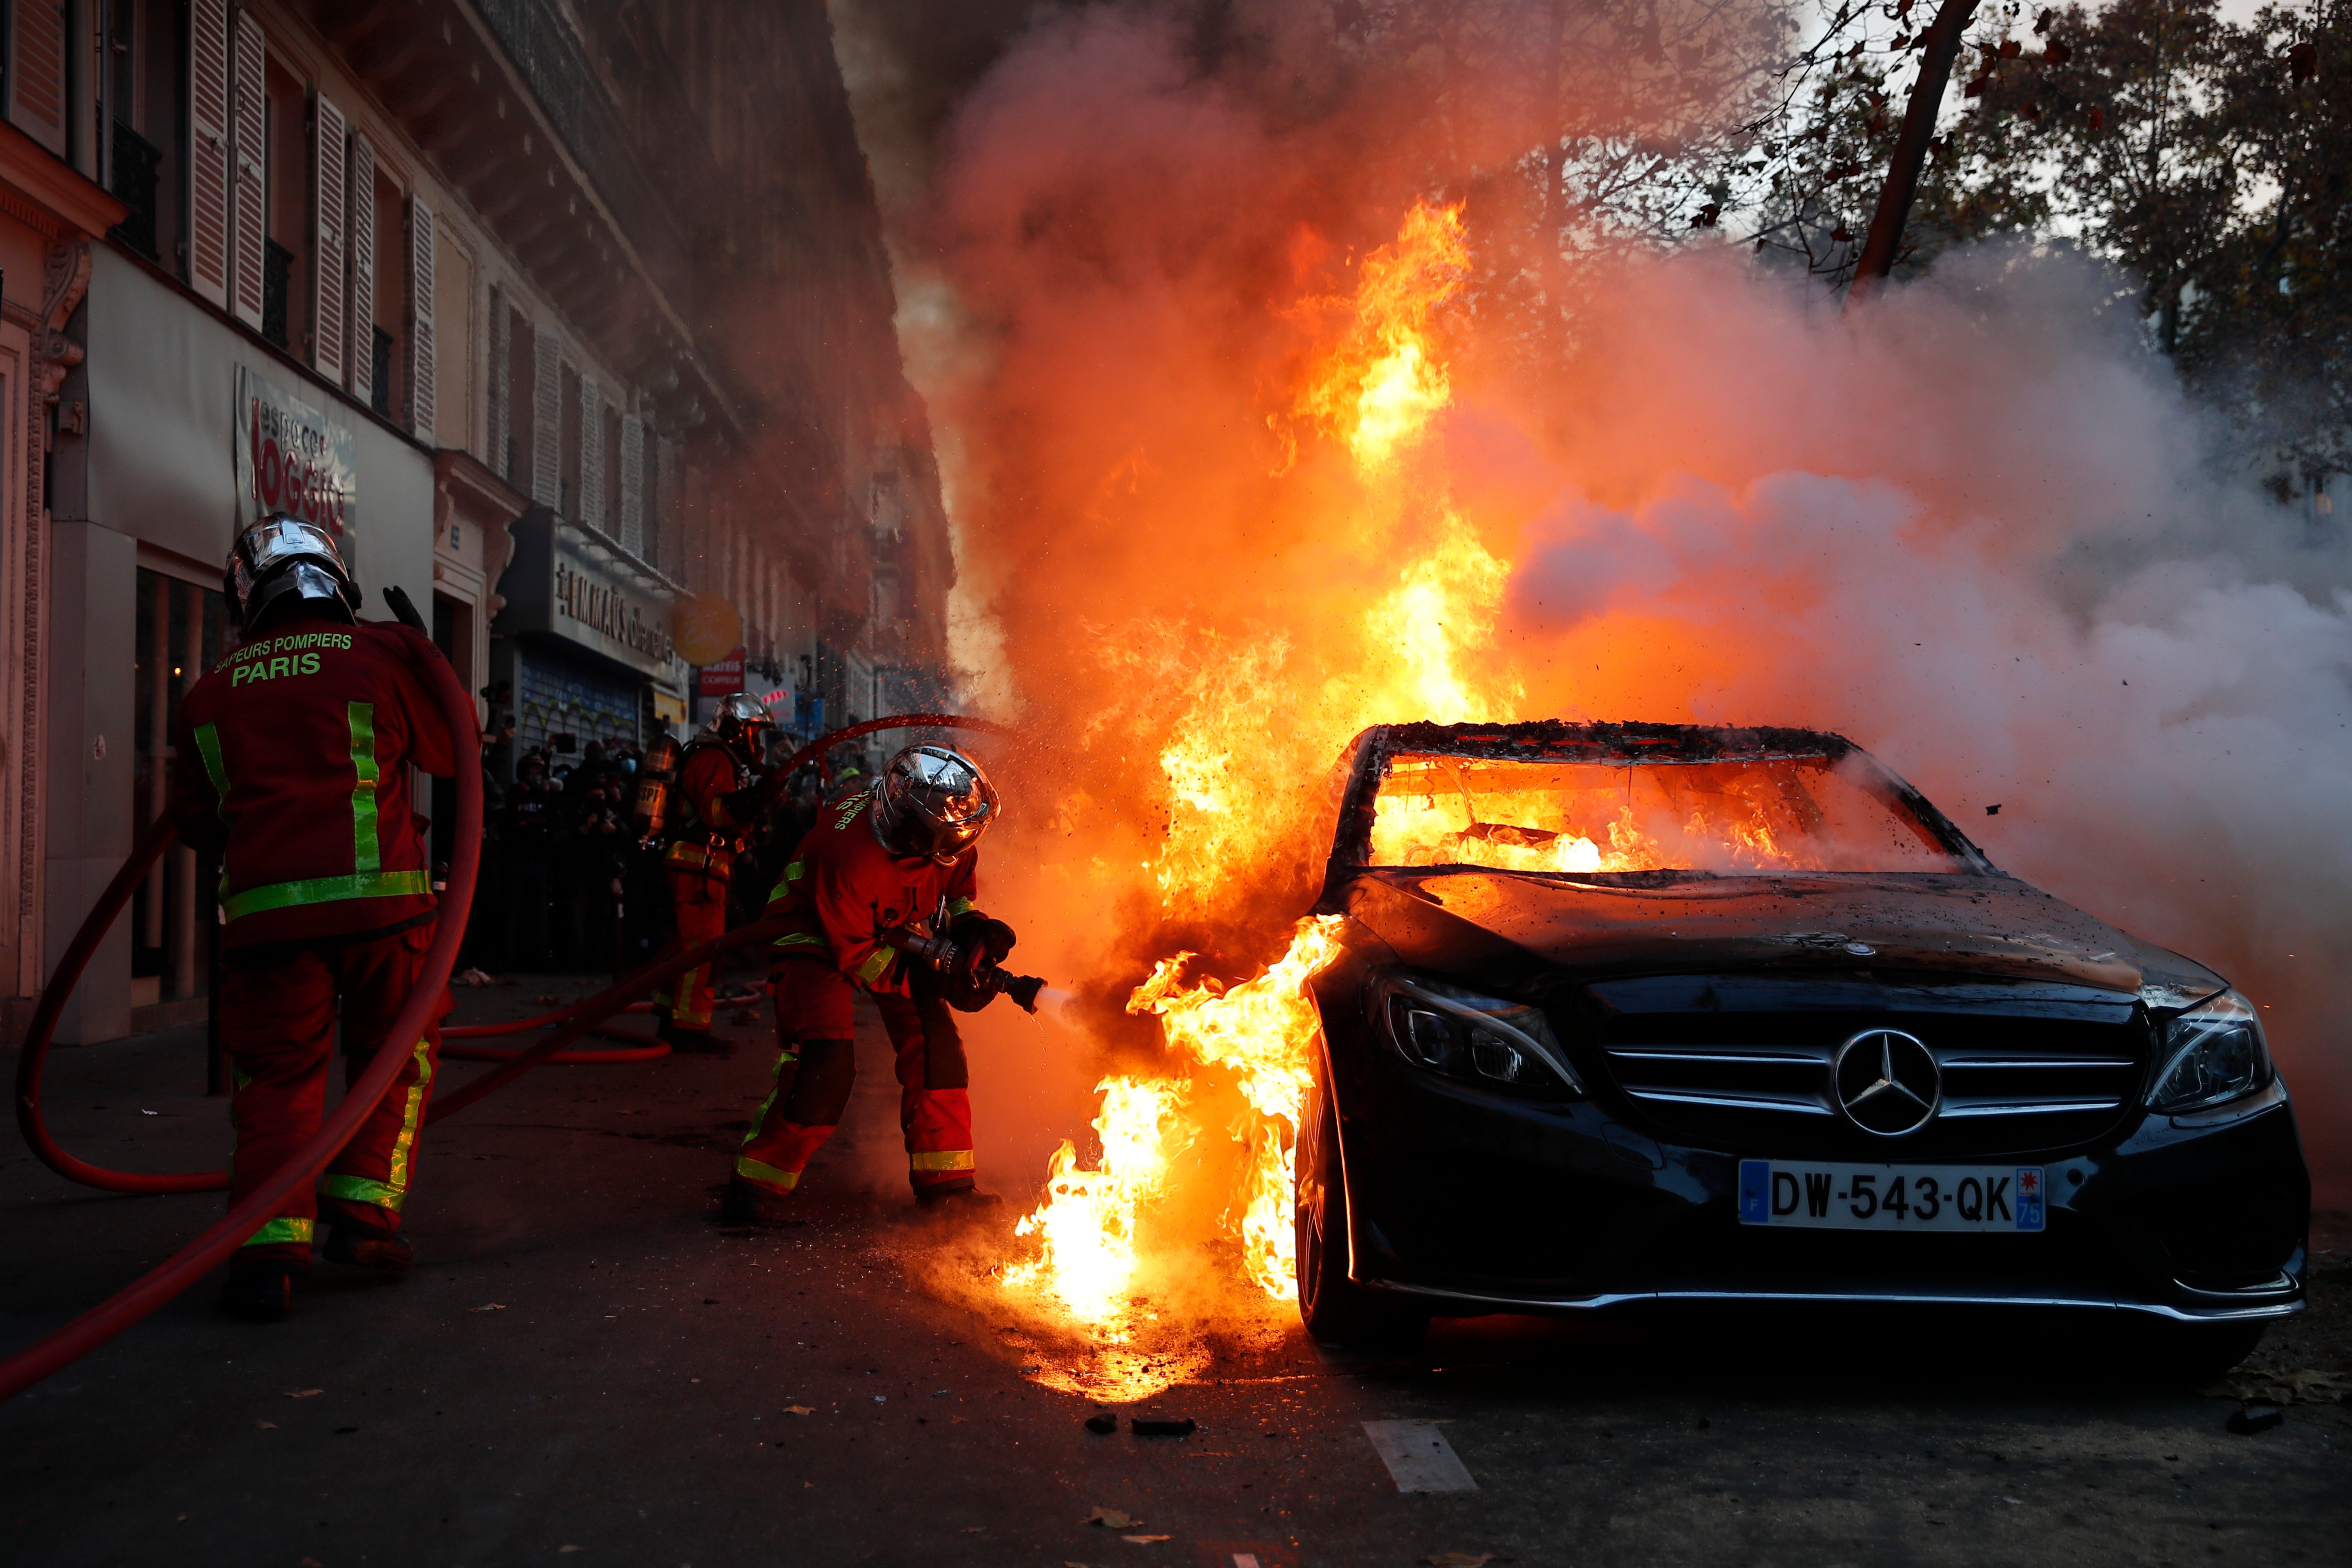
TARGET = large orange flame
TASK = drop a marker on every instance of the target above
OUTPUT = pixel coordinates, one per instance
(1421, 653)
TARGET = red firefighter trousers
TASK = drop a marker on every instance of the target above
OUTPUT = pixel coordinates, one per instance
(278, 1016)
(700, 899)
(816, 1065)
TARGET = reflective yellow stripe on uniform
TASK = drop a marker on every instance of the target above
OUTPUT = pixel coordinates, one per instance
(753, 1169)
(282, 1231)
(783, 889)
(940, 1160)
(800, 939)
(392, 1190)
(872, 969)
(684, 854)
(327, 889)
(959, 908)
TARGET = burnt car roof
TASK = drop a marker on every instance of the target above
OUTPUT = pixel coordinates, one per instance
(1554, 739)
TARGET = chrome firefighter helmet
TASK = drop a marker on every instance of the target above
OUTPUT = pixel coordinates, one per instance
(281, 557)
(932, 801)
(742, 725)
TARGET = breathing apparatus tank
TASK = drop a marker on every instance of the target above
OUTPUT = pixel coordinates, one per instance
(655, 775)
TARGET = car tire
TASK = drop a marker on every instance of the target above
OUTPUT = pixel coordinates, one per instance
(1334, 1308)
(2196, 1352)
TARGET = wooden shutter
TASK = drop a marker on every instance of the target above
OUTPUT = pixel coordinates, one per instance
(329, 337)
(592, 455)
(501, 327)
(209, 154)
(420, 320)
(248, 215)
(633, 485)
(546, 417)
(358, 206)
(36, 71)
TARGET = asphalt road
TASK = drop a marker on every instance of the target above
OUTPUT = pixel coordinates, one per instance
(585, 1368)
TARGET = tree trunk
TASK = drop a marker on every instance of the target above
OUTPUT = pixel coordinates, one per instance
(1940, 47)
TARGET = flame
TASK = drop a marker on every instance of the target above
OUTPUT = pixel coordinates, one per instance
(1087, 1257)
(1384, 381)
(1264, 1030)
(1422, 650)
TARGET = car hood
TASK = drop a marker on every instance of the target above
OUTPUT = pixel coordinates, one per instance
(1994, 926)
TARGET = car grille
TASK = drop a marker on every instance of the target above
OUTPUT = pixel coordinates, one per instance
(1762, 1082)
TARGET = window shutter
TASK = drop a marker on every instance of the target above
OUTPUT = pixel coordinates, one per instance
(359, 207)
(501, 325)
(546, 416)
(328, 132)
(633, 485)
(36, 71)
(420, 320)
(592, 455)
(248, 220)
(208, 160)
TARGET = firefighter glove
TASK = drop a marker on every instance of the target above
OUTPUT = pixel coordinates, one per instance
(984, 941)
(404, 609)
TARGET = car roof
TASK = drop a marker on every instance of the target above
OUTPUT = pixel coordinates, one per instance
(1554, 739)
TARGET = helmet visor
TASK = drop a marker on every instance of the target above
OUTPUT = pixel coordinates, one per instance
(271, 544)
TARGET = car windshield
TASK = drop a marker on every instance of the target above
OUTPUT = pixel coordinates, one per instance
(1771, 814)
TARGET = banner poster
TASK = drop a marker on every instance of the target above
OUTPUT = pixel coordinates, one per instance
(289, 458)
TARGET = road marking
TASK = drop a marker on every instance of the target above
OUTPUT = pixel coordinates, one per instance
(1418, 1457)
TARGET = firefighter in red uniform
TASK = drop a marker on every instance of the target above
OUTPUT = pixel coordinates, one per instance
(901, 856)
(291, 763)
(717, 805)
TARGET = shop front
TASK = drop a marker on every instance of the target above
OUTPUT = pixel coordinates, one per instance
(583, 642)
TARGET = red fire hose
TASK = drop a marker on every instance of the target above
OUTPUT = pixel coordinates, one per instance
(126, 1306)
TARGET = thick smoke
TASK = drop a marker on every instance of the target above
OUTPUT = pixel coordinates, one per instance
(1973, 527)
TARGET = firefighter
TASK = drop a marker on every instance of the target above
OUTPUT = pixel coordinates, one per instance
(713, 807)
(292, 764)
(903, 855)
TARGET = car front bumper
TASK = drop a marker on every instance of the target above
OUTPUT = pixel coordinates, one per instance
(1474, 1202)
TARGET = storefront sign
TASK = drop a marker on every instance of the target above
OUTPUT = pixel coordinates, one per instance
(290, 457)
(559, 586)
(720, 678)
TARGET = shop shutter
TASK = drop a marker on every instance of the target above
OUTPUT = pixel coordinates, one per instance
(359, 207)
(420, 320)
(633, 485)
(329, 134)
(36, 71)
(208, 157)
(249, 215)
(592, 455)
(546, 416)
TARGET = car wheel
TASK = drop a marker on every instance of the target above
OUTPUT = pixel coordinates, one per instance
(1333, 1307)
(2194, 1352)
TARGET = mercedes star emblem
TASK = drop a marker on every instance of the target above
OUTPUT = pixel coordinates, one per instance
(1888, 1083)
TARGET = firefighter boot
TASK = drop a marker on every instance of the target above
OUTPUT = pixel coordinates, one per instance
(261, 1291)
(358, 1245)
(747, 1205)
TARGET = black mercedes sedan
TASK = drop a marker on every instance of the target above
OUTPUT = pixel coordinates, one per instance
(1636, 1013)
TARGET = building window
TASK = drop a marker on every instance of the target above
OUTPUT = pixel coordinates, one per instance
(380, 374)
(137, 167)
(523, 376)
(284, 302)
(567, 497)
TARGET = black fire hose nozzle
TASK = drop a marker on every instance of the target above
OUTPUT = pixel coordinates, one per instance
(1022, 988)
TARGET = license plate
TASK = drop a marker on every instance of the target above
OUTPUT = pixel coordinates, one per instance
(2004, 1198)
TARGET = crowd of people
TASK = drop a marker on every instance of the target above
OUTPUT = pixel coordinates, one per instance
(567, 885)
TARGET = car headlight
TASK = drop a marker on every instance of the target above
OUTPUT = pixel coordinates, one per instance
(1464, 1034)
(2212, 1053)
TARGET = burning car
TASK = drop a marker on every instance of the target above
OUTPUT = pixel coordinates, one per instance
(1631, 1013)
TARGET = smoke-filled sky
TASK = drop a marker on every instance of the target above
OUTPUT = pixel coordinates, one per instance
(1973, 527)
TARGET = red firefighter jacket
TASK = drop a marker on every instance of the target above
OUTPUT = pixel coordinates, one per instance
(708, 832)
(290, 762)
(843, 894)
